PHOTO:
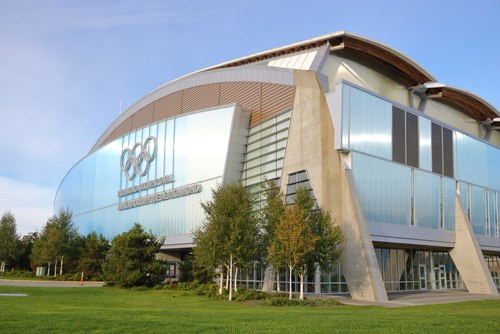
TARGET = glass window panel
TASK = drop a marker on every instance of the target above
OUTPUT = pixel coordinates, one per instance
(268, 148)
(281, 144)
(384, 189)
(268, 123)
(346, 98)
(268, 167)
(427, 199)
(268, 140)
(283, 116)
(497, 215)
(254, 146)
(280, 154)
(424, 130)
(268, 131)
(491, 213)
(252, 163)
(254, 130)
(493, 161)
(267, 176)
(282, 125)
(370, 124)
(449, 194)
(464, 197)
(169, 150)
(478, 210)
(279, 163)
(471, 159)
(253, 155)
(281, 135)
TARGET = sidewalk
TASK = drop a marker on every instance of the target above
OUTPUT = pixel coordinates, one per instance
(47, 283)
(415, 298)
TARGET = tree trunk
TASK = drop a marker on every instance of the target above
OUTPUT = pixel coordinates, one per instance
(2, 266)
(55, 268)
(221, 281)
(48, 269)
(278, 288)
(290, 283)
(227, 278)
(230, 277)
(61, 269)
(301, 275)
(235, 279)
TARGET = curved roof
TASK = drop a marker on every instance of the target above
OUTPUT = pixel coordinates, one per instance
(409, 72)
(472, 104)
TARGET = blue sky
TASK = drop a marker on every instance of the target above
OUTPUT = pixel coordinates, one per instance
(67, 66)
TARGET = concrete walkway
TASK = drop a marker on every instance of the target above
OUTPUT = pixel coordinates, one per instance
(49, 284)
(414, 298)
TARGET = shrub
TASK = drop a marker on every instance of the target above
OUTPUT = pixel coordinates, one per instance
(245, 294)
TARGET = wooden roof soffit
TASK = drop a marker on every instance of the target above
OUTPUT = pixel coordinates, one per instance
(409, 74)
(472, 105)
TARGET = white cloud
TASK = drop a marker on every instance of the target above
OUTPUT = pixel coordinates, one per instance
(29, 203)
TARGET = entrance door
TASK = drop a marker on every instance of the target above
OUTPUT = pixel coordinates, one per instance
(442, 276)
(422, 277)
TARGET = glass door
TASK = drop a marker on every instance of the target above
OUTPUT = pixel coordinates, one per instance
(422, 276)
(442, 276)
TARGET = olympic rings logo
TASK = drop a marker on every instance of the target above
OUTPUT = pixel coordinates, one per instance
(136, 160)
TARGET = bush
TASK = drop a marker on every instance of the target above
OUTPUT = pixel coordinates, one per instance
(209, 290)
(244, 294)
(18, 273)
(131, 259)
(282, 300)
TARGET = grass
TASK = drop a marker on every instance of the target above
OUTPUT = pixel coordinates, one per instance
(110, 310)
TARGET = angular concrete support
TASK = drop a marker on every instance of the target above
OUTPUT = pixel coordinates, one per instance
(468, 257)
(311, 147)
(267, 285)
(359, 262)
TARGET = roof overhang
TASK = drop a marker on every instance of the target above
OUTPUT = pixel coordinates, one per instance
(469, 103)
(410, 72)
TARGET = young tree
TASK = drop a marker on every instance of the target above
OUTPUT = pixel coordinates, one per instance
(229, 234)
(25, 245)
(270, 216)
(58, 242)
(131, 260)
(93, 254)
(293, 243)
(9, 240)
(305, 237)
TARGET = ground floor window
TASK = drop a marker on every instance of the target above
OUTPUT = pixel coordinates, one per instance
(314, 281)
(493, 262)
(406, 269)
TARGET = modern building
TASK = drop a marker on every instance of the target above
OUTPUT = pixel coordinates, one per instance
(409, 167)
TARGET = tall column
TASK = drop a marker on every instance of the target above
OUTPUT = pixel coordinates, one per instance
(310, 147)
(468, 257)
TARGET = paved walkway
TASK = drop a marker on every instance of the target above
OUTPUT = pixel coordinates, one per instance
(399, 299)
(49, 284)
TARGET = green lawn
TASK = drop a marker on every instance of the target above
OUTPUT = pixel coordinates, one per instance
(109, 310)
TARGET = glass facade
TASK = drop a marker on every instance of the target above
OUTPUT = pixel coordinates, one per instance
(265, 153)
(392, 193)
(151, 176)
(396, 188)
(417, 269)
(314, 282)
(493, 262)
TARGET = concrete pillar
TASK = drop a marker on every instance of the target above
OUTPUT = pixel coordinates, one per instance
(310, 147)
(317, 281)
(468, 257)
(359, 262)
